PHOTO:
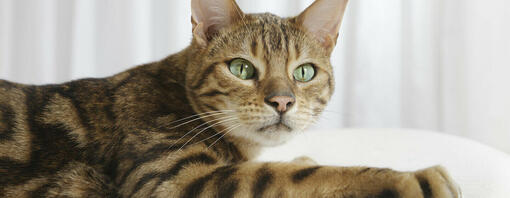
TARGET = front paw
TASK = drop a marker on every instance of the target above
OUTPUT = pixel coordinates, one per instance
(304, 160)
(436, 182)
(433, 182)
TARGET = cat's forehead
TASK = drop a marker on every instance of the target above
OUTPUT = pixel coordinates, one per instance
(266, 18)
(265, 35)
(271, 26)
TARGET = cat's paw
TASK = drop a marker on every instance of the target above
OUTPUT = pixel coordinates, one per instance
(304, 160)
(438, 182)
(433, 182)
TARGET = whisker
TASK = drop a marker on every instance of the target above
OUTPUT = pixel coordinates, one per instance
(227, 120)
(195, 115)
(214, 114)
(218, 133)
(205, 123)
(222, 136)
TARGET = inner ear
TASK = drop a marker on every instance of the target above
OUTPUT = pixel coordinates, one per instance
(210, 16)
(323, 19)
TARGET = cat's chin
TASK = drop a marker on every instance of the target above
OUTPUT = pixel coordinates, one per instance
(274, 140)
(273, 135)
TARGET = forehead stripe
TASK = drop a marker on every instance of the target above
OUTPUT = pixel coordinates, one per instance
(254, 46)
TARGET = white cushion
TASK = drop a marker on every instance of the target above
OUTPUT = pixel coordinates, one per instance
(479, 170)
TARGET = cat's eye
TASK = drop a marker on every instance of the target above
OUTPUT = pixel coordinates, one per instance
(304, 73)
(242, 68)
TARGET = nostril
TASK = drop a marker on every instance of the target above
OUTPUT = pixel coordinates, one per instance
(281, 103)
(274, 104)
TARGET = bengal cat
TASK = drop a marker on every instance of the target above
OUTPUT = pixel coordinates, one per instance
(190, 125)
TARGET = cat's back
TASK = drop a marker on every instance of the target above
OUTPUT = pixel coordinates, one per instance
(17, 95)
(12, 100)
(16, 140)
(7, 88)
(37, 126)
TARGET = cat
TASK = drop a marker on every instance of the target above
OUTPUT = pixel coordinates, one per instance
(191, 124)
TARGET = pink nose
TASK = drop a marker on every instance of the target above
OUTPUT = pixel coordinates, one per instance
(281, 103)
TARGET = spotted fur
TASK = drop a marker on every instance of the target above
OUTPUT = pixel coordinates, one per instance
(186, 127)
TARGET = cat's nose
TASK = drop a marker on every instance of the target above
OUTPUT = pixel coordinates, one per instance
(281, 103)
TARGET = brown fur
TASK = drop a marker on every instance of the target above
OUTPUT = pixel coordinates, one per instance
(127, 135)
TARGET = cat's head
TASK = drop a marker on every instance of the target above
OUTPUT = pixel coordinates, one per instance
(259, 76)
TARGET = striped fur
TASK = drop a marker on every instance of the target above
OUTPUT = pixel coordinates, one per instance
(186, 127)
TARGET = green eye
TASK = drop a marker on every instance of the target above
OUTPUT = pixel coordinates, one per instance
(242, 68)
(304, 73)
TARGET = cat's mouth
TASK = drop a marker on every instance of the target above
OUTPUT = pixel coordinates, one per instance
(279, 126)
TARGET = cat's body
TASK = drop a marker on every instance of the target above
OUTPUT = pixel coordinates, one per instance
(187, 127)
(113, 125)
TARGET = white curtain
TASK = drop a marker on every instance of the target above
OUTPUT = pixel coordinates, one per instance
(441, 65)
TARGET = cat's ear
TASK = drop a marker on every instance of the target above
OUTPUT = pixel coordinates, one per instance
(209, 16)
(323, 19)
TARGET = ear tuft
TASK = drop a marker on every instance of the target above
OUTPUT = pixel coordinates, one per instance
(323, 19)
(210, 16)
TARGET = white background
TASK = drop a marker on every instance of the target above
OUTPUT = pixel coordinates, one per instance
(442, 65)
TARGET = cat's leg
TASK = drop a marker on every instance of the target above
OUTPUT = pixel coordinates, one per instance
(291, 180)
(198, 172)
(437, 173)
(79, 180)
